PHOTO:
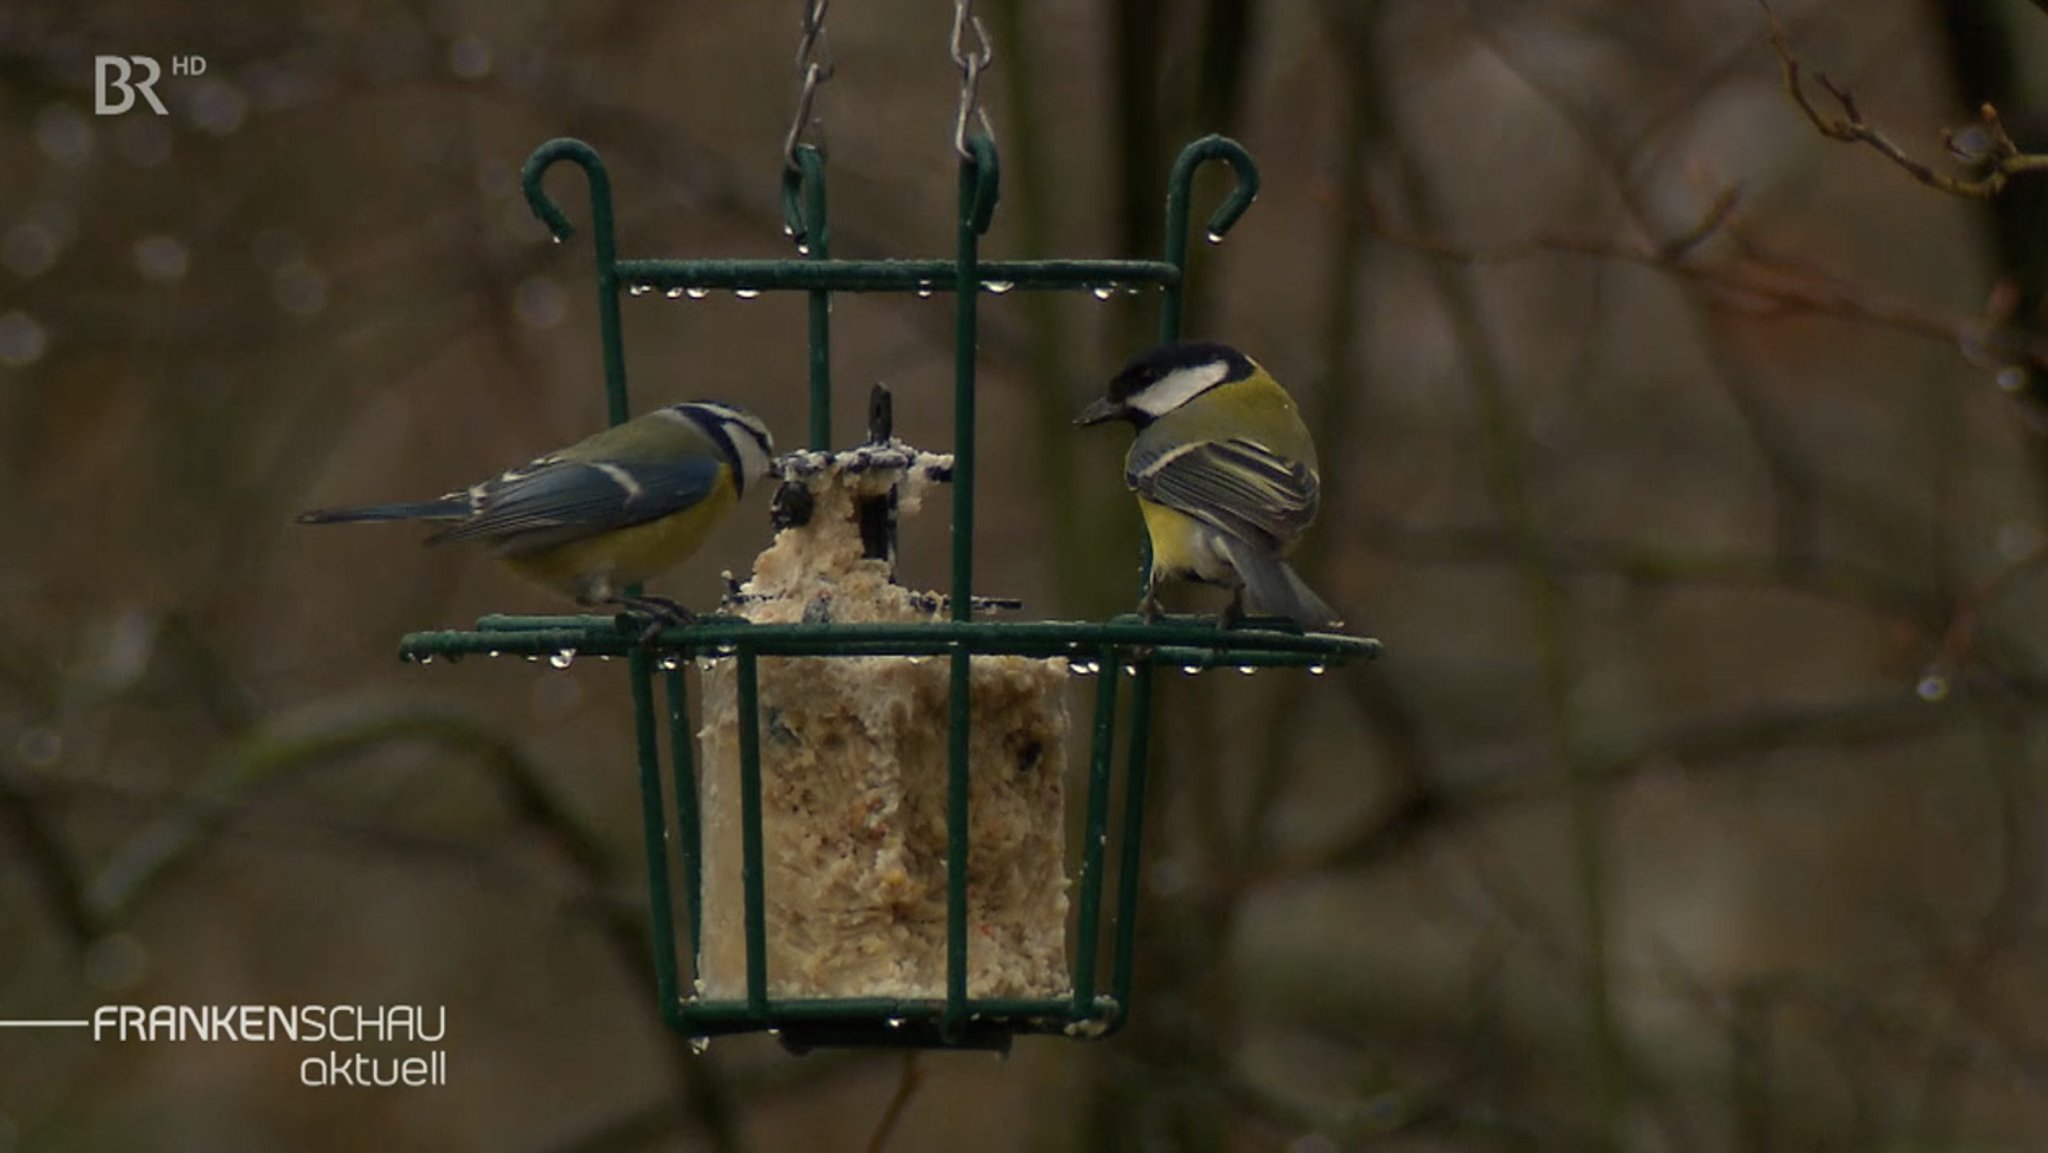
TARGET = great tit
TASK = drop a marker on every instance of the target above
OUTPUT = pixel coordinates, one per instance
(607, 512)
(1225, 474)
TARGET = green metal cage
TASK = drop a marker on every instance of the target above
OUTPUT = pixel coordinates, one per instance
(1125, 649)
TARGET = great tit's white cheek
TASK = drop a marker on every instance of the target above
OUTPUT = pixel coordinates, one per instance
(1178, 387)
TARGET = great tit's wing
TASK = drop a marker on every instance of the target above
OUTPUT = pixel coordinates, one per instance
(554, 501)
(1237, 485)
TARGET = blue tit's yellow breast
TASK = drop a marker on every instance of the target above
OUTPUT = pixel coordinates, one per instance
(602, 565)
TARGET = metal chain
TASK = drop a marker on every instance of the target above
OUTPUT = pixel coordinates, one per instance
(973, 62)
(813, 67)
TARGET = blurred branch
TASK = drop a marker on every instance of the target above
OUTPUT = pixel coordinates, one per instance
(280, 751)
(1882, 718)
(1360, 130)
(1507, 474)
(1794, 486)
(1960, 638)
(1750, 283)
(1869, 589)
(1079, 587)
(1385, 1115)
(50, 864)
(271, 754)
(907, 1083)
(1990, 145)
(765, 1083)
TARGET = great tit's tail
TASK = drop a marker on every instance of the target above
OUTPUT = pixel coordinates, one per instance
(1272, 588)
(447, 508)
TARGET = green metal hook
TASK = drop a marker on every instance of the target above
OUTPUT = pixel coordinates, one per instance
(603, 240)
(1180, 190)
(986, 182)
(803, 198)
(547, 156)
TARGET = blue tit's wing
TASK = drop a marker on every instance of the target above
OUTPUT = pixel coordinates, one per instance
(1237, 485)
(554, 501)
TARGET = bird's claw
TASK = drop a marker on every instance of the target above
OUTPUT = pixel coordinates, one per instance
(1149, 608)
(1233, 613)
(660, 613)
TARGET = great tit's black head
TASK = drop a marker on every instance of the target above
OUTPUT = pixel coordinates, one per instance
(1165, 378)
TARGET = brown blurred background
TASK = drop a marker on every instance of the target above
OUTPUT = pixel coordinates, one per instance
(1694, 807)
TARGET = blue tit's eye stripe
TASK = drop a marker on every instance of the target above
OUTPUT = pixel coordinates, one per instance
(713, 428)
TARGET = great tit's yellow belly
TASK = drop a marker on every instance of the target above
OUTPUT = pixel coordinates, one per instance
(1180, 546)
(601, 566)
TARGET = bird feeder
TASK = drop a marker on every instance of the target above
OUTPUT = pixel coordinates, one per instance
(869, 828)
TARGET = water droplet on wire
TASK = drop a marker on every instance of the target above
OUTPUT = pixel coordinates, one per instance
(1103, 291)
(746, 293)
(696, 293)
(563, 659)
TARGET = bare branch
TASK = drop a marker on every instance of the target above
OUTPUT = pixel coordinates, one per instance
(1750, 282)
(906, 1086)
(1991, 146)
(1960, 638)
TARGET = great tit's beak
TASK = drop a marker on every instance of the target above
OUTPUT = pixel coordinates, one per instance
(1101, 410)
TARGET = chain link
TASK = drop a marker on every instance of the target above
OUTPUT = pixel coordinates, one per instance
(973, 62)
(813, 67)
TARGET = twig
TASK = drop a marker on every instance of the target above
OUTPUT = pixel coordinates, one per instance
(2001, 157)
(50, 862)
(1752, 284)
(1507, 475)
(1960, 637)
(1692, 744)
(906, 1085)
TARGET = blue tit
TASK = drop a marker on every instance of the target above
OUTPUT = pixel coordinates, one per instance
(1225, 474)
(607, 512)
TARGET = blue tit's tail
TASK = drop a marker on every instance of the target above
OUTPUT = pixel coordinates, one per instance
(1272, 588)
(446, 508)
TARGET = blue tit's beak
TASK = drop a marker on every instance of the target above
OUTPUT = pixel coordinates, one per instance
(1101, 410)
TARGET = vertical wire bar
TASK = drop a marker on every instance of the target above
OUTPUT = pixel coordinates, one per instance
(689, 820)
(815, 239)
(1088, 934)
(1129, 875)
(653, 820)
(654, 831)
(618, 411)
(751, 881)
(976, 182)
(1179, 190)
(956, 845)
(1177, 193)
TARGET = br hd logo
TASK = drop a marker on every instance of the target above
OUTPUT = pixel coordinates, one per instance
(115, 84)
